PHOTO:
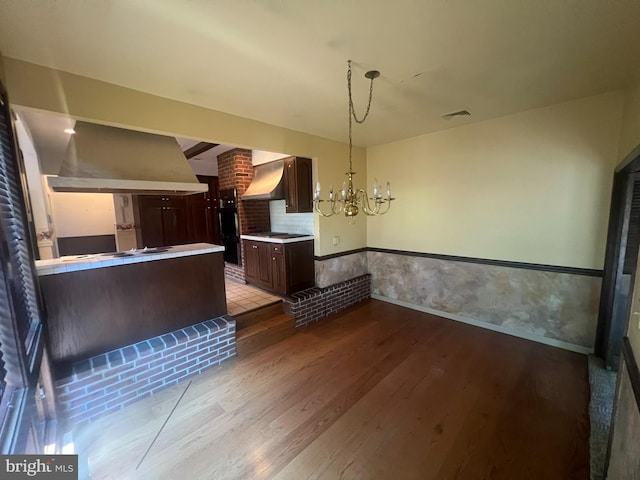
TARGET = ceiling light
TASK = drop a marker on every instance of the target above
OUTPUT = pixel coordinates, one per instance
(70, 131)
(351, 200)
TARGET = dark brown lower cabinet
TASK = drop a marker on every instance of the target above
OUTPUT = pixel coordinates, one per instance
(278, 270)
(283, 268)
(251, 261)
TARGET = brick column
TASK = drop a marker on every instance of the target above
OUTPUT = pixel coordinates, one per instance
(235, 170)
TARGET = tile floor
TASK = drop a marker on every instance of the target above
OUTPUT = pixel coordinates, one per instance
(242, 298)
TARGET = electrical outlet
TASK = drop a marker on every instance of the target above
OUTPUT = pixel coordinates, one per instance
(336, 240)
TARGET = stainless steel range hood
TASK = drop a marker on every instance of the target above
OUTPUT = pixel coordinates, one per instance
(267, 183)
(103, 159)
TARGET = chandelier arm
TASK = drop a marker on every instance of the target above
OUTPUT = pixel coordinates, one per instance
(333, 210)
(364, 201)
(382, 212)
(377, 210)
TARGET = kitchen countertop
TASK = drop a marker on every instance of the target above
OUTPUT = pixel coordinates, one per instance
(276, 237)
(74, 263)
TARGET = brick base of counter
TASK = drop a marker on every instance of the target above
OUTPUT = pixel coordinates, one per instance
(313, 304)
(108, 382)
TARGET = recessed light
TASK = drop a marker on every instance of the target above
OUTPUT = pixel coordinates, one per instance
(70, 131)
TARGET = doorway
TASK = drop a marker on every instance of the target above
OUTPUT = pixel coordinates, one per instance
(623, 242)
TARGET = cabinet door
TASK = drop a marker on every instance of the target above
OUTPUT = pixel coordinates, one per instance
(175, 220)
(200, 222)
(278, 269)
(304, 184)
(163, 220)
(299, 191)
(251, 261)
(209, 219)
(214, 203)
(264, 264)
(300, 266)
(291, 186)
(150, 218)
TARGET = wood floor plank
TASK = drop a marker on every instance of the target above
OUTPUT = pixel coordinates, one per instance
(375, 431)
(320, 383)
(379, 392)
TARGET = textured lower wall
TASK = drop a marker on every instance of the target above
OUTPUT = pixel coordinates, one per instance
(316, 303)
(336, 270)
(108, 382)
(558, 306)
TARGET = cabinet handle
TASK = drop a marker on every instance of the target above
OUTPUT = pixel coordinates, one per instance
(254, 246)
(274, 259)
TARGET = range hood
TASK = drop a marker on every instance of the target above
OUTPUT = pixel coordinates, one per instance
(101, 159)
(267, 183)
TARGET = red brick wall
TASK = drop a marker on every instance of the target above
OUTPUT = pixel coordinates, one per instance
(111, 381)
(235, 170)
(316, 303)
(256, 217)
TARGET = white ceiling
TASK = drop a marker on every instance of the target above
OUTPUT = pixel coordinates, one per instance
(49, 140)
(210, 155)
(284, 61)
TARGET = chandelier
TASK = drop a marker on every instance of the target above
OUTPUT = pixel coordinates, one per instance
(351, 200)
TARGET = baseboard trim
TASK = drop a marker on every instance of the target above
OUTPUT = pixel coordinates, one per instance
(496, 328)
(322, 258)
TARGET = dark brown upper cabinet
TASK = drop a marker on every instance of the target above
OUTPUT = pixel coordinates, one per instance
(298, 185)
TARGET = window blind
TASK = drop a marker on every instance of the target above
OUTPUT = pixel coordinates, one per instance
(20, 325)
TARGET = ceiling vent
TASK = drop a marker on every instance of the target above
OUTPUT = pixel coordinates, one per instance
(459, 113)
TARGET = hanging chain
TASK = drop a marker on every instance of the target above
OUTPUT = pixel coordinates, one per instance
(352, 111)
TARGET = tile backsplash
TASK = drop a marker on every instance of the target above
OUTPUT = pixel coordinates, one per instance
(289, 222)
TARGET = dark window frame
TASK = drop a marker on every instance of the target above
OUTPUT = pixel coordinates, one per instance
(21, 305)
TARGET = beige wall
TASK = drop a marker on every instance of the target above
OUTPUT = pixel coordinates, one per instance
(259, 157)
(531, 187)
(2, 76)
(630, 131)
(42, 88)
(82, 214)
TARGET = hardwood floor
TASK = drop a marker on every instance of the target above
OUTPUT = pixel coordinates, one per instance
(380, 392)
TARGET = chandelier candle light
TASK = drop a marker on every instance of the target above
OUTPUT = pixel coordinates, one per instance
(351, 200)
